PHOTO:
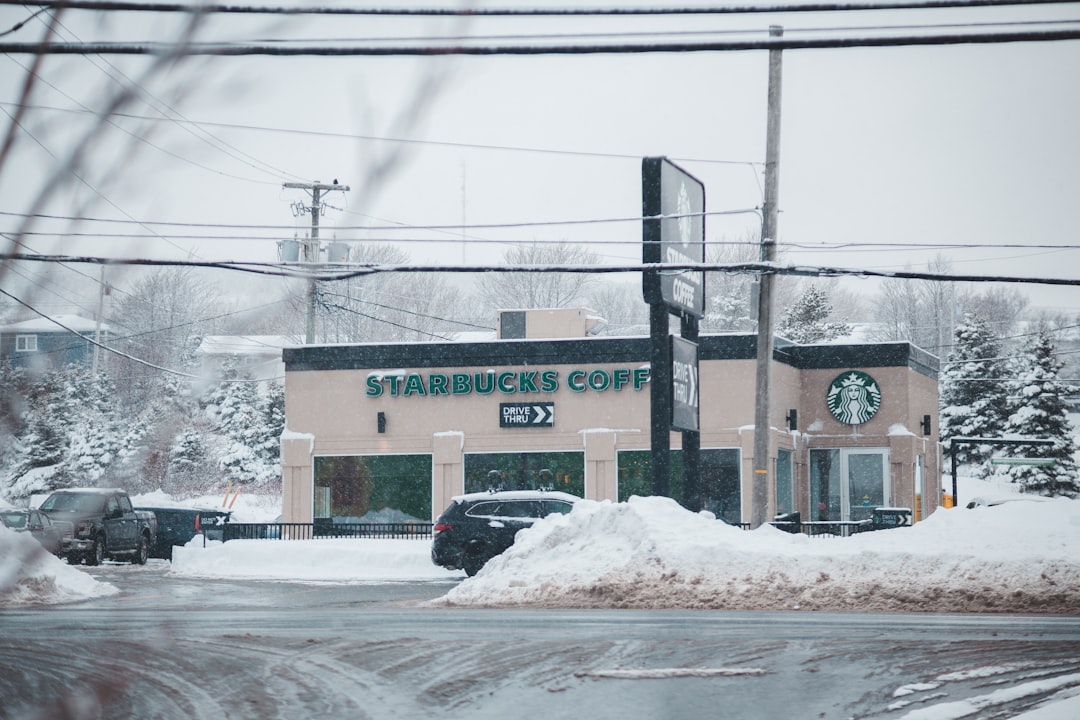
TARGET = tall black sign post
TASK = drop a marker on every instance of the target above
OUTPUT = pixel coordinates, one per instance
(673, 232)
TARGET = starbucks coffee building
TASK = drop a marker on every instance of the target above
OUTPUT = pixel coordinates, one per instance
(391, 432)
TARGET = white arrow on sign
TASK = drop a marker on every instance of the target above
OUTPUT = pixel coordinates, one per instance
(693, 386)
(543, 414)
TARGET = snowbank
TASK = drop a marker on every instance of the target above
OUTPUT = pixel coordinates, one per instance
(31, 576)
(651, 553)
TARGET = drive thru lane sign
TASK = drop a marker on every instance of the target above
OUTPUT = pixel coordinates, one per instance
(684, 384)
(526, 414)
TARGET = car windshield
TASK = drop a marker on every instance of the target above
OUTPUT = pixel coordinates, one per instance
(74, 502)
(14, 520)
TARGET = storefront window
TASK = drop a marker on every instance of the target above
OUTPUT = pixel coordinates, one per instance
(825, 484)
(720, 486)
(563, 471)
(785, 484)
(866, 483)
(373, 488)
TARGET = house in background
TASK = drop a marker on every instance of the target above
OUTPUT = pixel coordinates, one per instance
(46, 343)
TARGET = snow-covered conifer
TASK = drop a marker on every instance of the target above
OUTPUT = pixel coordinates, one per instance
(974, 392)
(1038, 406)
(807, 321)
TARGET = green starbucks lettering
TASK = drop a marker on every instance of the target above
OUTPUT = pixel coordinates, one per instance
(507, 382)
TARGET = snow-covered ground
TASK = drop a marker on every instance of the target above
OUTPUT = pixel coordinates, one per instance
(1019, 556)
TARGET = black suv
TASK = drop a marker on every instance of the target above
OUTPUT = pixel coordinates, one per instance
(479, 526)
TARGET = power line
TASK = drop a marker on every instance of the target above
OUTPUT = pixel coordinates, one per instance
(120, 353)
(288, 232)
(135, 136)
(425, 316)
(659, 34)
(345, 271)
(413, 141)
(19, 25)
(95, 343)
(784, 43)
(333, 306)
(469, 12)
(290, 229)
(118, 76)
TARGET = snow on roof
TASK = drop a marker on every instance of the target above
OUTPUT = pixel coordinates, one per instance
(244, 344)
(69, 322)
(474, 336)
(515, 495)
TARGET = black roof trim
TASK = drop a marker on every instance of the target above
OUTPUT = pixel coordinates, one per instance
(894, 354)
(510, 353)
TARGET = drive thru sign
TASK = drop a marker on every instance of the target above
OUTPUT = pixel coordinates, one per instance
(684, 385)
(540, 414)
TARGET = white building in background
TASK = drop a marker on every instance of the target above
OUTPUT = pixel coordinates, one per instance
(258, 356)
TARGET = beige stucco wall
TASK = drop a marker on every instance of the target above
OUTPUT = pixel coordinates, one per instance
(330, 413)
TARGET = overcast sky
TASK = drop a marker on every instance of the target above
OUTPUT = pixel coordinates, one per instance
(961, 150)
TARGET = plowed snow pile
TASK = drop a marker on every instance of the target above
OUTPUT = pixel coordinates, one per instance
(651, 553)
(31, 576)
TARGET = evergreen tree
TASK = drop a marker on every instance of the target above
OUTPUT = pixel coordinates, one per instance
(807, 321)
(730, 313)
(248, 423)
(273, 424)
(71, 427)
(974, 391)
(189, 469)
(730, 295)
(44, 442)
(1039, 411)
(95, 443)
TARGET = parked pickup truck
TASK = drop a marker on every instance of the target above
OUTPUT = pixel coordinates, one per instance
(101, 523)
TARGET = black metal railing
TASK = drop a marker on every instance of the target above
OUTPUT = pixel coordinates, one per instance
(316, 530)
(880, 519)
(822, 529)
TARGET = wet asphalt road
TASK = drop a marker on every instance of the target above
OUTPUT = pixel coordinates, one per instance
(171, 647)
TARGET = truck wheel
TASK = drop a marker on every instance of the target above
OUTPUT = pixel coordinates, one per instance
(141, 552)
(97, 553)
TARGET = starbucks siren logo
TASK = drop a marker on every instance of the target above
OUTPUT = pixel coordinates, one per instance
(854, 397)
(686, 223)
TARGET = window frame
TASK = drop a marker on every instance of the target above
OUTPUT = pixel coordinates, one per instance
(26, 343)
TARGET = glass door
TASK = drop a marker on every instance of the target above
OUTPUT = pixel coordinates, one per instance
(867, 481)
(848, 483)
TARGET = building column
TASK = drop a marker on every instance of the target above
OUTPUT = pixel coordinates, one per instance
(297, 481)
(601, 470)
(447, 469)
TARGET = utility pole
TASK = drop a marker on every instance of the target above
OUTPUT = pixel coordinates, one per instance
(311, 247)
(103, 290)
(759, 497)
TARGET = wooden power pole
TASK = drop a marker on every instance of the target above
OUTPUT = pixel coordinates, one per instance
(762, 432)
